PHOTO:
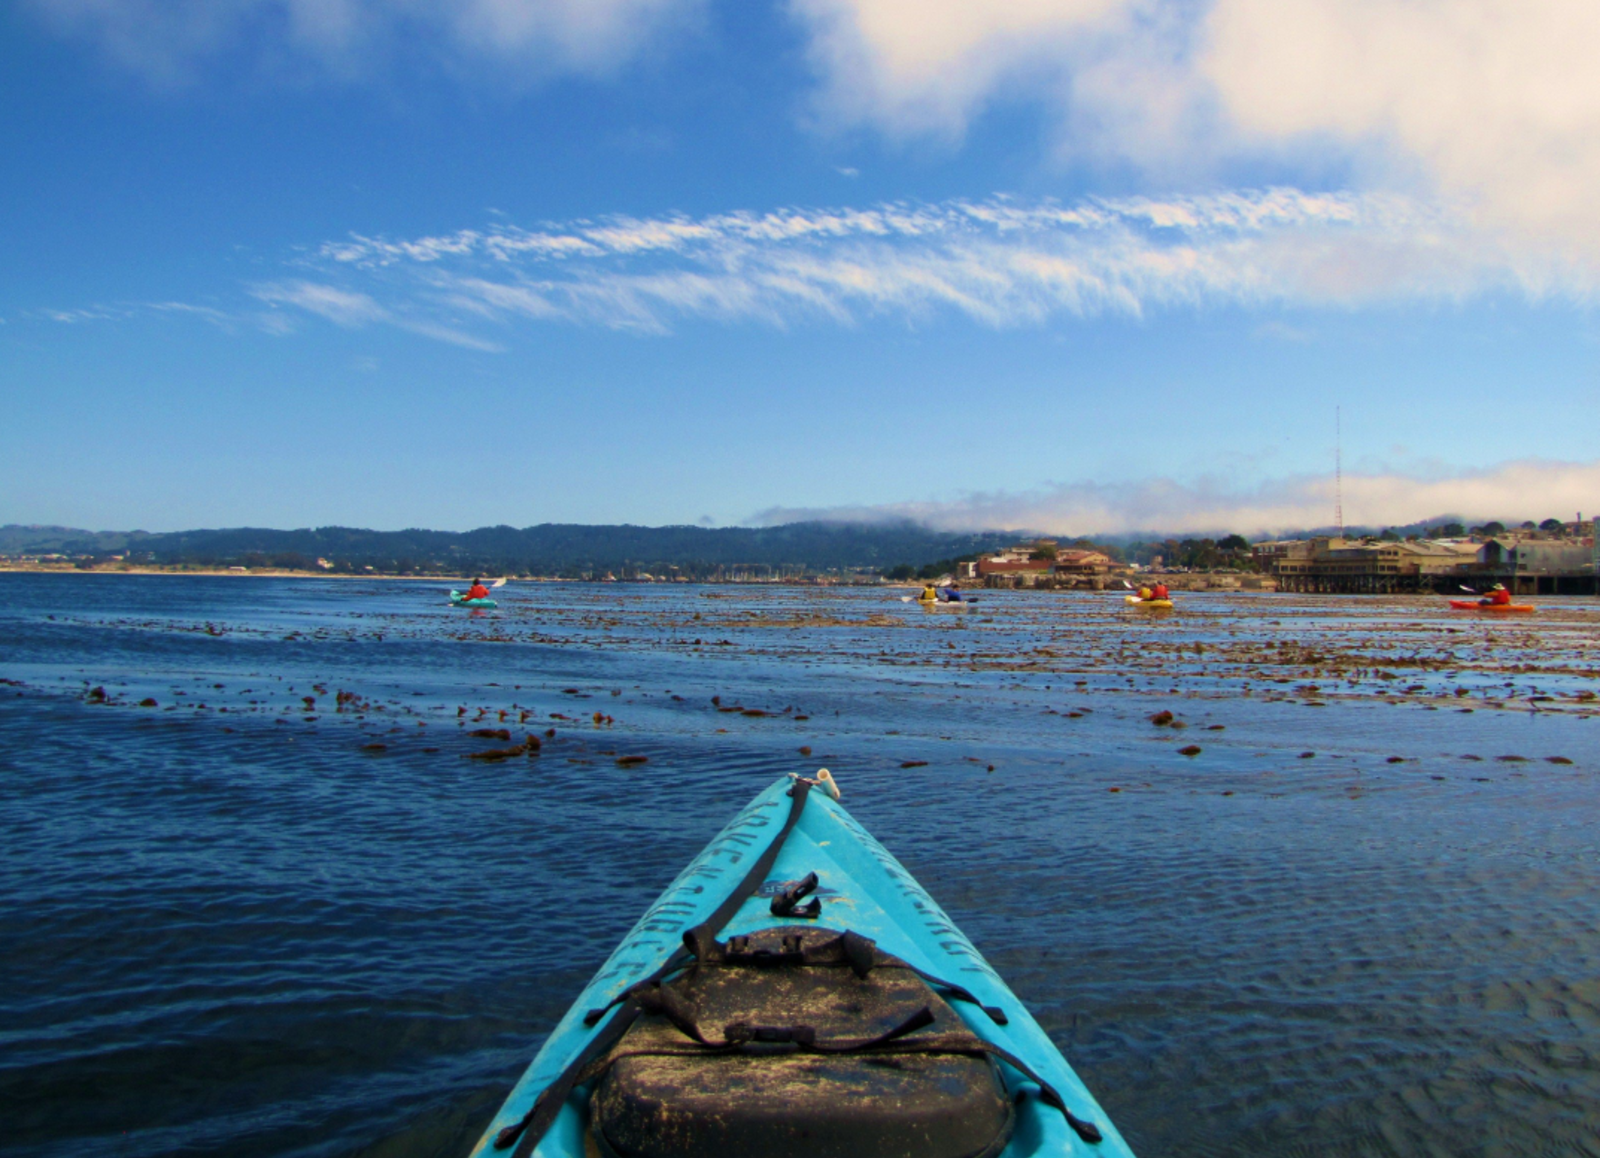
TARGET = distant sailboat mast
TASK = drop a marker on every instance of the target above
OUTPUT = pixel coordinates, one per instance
(1338, 471)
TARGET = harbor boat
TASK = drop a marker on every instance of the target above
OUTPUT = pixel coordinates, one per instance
(1492, 608)
(795, 992)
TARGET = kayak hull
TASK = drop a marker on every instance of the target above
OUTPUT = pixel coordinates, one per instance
(1150, 604)
(863, 889)
(458, 600)
(1490, 608)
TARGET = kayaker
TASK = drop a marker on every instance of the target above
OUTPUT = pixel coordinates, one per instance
(477, 590)
(930, 594)
(1498, 597)
(1159, 591)
(953, 593)
(1144, 594)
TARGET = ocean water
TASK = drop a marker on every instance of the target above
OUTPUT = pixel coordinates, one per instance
(244, 914)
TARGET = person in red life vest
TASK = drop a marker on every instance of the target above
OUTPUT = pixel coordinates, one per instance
(1498, 597)
(477, 590)
(1159, 591)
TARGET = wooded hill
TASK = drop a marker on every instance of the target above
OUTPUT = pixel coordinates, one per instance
(555, 549)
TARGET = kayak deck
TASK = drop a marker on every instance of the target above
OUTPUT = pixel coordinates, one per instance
(1491, 608)
(863, 888)
(1151, 604)
(458, 600)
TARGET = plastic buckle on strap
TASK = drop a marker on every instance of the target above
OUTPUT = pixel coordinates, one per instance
(740, 1033)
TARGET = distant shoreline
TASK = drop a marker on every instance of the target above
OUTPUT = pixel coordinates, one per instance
(250, 573)
(272, 573)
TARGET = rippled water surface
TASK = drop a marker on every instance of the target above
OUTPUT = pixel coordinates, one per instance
(246, 915)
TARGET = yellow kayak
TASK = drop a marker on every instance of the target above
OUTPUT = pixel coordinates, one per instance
(1152, 604)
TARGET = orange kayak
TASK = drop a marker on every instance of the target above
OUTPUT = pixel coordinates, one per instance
(1474, 605)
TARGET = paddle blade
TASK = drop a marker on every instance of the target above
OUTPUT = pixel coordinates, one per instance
(500, 582)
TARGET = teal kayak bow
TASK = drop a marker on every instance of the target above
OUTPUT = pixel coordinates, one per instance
(795, 992)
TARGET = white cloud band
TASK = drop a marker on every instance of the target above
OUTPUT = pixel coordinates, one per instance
(1490, 103)
(999, 262)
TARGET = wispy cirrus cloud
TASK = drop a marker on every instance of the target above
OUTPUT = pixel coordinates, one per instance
(1515, 490)
(1000, 262)
(352, 310)
(341, 307)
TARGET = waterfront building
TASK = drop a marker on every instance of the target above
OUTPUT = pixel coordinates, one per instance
(1039, 563)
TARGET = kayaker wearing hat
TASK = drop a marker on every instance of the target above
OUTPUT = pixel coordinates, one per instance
(1498, 596)
(477, 590)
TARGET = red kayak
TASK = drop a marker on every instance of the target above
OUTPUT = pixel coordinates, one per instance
(1474, 605)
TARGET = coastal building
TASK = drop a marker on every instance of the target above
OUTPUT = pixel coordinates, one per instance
(1273, 551)
(1089, 563)
(1335, 565)
(1542, 556)
(1039, 563)
(1529, 566)
(1035, 558)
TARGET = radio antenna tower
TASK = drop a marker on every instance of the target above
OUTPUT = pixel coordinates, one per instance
(1338, 471)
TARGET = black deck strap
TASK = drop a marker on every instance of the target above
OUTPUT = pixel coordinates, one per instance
(677, 961)
(704, 935)
(805, 1036)
(738, 1033)
(682, 1014)
(666, 1003)
(921, 1018)
(700, 944)
(860, 951)
(587, 1069)
(1086, 1130)
(548, 1104)
(707, 930)
(702, 939)
(996, 1014)
(787, 903)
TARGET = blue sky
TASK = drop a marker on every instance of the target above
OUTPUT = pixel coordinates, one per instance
(1075, 265)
